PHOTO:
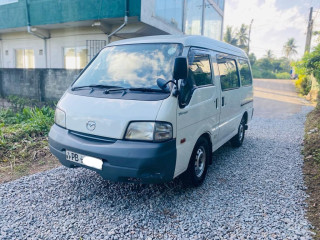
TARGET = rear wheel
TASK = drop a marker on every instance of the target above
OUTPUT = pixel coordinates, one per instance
(237, 140)
(198, 164)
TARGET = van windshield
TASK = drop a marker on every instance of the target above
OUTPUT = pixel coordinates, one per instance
(131, 66)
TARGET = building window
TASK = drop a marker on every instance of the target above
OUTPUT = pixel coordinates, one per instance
(221, 4)
(212, 22)
(171, 11)
(75, 58)
(193, 16)
(94, 47)
(24, 58)
(229, 77)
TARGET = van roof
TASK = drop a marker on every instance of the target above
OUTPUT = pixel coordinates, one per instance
(186, 40)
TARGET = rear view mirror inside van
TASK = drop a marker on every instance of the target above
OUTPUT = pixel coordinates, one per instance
(180, 68)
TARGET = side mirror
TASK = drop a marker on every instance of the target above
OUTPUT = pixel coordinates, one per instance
(180, 70)
(163, 84)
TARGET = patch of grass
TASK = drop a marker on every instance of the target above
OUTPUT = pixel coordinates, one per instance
(311, 167)
(23, 139)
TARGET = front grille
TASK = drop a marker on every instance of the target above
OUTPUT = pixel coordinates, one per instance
(93, 137)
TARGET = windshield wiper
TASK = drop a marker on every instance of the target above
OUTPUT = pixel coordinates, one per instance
(116, 89)
(110, 89)
(94, 86)
(146, 90)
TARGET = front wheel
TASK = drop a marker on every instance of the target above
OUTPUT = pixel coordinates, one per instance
(198, 164)
(237, 140)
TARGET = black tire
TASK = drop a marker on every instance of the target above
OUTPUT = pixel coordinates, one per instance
(195, 174)
(237, 140)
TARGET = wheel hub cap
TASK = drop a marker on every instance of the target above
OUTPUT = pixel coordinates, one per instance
(200, 161)
(241, 132)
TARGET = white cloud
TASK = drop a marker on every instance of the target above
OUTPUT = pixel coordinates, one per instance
(271, 27)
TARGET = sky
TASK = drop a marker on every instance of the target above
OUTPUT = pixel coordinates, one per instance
(274, 22)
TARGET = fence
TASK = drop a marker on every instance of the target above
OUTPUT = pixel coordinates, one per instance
(41, 84)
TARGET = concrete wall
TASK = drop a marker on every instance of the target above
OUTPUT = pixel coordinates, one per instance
(41, 84)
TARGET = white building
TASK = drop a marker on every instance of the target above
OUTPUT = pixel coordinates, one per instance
(67, 34)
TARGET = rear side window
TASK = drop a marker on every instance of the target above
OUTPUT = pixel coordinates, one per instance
(228, 74)
(245, 73)
(199, 69)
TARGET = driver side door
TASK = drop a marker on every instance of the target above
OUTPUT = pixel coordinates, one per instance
(198, 111)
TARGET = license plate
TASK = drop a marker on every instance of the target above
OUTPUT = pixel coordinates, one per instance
(85, 160)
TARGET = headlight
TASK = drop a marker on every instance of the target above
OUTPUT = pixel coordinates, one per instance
(60, 117)
(149, 131)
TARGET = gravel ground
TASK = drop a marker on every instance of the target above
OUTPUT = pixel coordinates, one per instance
(254, 192)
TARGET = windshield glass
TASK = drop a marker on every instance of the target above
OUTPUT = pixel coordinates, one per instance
(131, 66)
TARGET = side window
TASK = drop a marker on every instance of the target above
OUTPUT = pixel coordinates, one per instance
(199, 75)
(228, 73)
(199, 69)
(245, 73)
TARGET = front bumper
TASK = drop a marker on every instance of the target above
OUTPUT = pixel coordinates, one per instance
(122, 160)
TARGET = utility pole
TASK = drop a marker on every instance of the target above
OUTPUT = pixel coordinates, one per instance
(309, 32)
(249, 36)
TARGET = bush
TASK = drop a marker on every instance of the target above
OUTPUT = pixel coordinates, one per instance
(303, 84)
(259, 73)
(27, 123)
(268, 75)
(283, 75)
(256, 73)
(308, 65)
(19, 103)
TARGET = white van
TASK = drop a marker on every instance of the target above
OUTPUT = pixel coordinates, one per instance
(149, 109)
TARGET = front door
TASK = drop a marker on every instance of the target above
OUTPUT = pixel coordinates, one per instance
(198, 111)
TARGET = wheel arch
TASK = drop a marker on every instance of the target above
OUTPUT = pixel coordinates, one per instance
(245, 116)
(207, 136)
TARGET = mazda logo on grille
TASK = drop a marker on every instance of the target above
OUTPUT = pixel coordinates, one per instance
(91, 125)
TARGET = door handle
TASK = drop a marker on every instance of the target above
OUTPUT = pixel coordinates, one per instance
(222, 101)
(216, 103)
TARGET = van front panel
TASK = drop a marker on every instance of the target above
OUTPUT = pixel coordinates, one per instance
(110, 116)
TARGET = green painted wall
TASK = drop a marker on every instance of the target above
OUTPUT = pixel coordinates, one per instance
(59, 11)
(13, 15)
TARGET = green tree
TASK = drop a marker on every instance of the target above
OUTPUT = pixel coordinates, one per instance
(309, 64)
(252, 58)
(243, 37)
(269, 55)
(290, 48)
(229, 36)
(265, 64)
(284, 65)
(312, 62)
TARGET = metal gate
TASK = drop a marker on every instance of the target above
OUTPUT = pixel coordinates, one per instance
(94, 46)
